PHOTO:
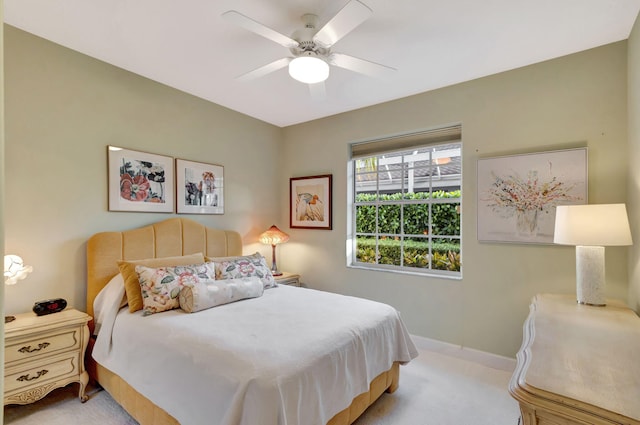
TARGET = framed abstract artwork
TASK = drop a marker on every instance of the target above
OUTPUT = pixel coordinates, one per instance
(310, 202)
(518, 194)
(139, 181)
(200, 187)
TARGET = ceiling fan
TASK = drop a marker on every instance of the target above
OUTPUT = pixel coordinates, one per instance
(310, 47)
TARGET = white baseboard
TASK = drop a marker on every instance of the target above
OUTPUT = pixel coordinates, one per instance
(482, 357)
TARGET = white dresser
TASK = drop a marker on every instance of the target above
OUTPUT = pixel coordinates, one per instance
(578, 364)
(43, 353)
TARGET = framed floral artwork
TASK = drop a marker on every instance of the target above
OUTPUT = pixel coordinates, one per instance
(310, 202)
(200, 187)
(139, 181)
(518, 194)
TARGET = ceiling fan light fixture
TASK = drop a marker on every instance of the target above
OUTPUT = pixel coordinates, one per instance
(309, 69)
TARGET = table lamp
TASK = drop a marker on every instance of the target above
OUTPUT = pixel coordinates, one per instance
(273, 236)
(14, 270)
(590, 228)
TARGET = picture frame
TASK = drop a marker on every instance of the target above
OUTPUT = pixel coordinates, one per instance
(518, 194)
(200, 187)
(139, 181)
(310, 202)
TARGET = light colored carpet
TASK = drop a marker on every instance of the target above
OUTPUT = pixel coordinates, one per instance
(435, 389)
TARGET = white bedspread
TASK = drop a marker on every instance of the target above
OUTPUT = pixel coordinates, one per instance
(293, 356)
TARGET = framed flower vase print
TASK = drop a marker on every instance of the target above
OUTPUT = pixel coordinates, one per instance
(139, 181)
(310, 202)
(200, 187)
(518, 194)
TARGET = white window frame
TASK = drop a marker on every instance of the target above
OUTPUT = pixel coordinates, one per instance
(416, 141)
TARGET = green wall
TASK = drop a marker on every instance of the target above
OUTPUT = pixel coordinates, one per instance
(633, 203)
(2, 184)
(62, 110)
(577, 100)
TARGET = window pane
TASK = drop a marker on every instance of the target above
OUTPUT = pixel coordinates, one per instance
(446, 254)
(366, 164)
(389, 249)
(366, 219)
(390, 174)
(417, 180)
(366, 186)
(447, 164)
(416, 253)
(416, 219)
(389, 219)
(445, 219)
(366, 249)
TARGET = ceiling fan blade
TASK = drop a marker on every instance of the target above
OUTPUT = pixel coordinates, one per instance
(349, 17)
(258, 28)
(318, 91)
(264, 70)
(360, 65)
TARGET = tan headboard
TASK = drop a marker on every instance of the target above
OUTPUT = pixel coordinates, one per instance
(168, 238)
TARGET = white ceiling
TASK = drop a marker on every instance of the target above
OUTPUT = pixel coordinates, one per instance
(186, 44)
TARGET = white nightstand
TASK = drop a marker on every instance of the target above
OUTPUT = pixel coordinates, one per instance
(42, 353)
(288, 279)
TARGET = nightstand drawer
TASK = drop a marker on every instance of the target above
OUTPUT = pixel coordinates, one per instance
(42, 353)
(40, 372)
(288, 279)
(47, 343)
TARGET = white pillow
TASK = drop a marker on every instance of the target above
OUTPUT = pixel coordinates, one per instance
(211, 293)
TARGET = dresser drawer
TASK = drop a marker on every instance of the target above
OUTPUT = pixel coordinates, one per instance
(48, 343)
(37, 373)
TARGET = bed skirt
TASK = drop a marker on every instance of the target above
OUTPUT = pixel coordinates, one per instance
(147, 413)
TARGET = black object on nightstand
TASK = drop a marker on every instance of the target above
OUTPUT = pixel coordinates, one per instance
(41, 308)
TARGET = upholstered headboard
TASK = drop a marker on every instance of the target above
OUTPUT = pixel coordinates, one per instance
(168, 238)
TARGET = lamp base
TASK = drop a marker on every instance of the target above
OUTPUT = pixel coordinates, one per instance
(8, 319)
(274, 267)
(591, 305)
(590, 276)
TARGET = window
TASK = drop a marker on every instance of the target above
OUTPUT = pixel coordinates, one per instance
(405, 200)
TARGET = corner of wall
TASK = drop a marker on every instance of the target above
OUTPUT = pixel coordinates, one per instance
(2, 180)
(633, 196)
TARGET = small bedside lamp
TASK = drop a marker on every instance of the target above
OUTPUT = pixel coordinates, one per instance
(590, 228)
(273, 237)
(14, 270)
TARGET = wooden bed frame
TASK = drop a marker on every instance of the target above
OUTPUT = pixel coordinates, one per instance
(168, 238)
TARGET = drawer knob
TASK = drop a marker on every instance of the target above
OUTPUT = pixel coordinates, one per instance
(28, 378)
(28, 348)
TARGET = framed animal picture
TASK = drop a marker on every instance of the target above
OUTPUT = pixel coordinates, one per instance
(310, 202)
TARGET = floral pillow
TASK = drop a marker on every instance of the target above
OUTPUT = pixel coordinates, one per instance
(246, 266)
(161, 286)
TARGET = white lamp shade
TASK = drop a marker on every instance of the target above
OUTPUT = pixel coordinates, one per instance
(309, 69)
(592, 225)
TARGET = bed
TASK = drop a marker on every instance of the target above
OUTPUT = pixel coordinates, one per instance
(290, 356)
